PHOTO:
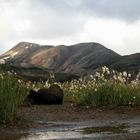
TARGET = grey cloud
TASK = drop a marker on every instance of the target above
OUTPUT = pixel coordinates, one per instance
(59, 19)
(122, 9)
(45, 19)
(65, 7)
(56, 19)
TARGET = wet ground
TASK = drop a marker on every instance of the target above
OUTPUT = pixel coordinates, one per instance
(69, 122)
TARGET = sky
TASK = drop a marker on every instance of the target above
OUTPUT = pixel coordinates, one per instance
(112, 23)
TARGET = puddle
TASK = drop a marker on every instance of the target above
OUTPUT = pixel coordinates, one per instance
(53, 135)
(67, 130)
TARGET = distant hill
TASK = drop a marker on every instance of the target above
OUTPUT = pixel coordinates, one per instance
(129, 63)
(79, 59)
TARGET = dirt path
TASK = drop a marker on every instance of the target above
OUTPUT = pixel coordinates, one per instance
(71, 113)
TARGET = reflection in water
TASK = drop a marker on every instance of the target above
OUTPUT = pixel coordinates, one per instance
(41, 135)
(52, 135)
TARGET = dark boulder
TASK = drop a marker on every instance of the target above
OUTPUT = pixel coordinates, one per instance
(52, 95)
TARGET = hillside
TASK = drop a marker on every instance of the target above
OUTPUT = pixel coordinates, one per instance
(128, 63)
(79, 59)
(75, 60)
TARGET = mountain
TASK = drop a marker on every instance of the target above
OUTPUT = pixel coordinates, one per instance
(21, 52)
(79, 59)
(36, 62)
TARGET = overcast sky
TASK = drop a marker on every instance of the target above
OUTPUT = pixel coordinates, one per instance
(113, 23)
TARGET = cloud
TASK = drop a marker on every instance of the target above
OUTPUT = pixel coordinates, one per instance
(113, 23)
(31, 21)
(121, 9)
(116, 34)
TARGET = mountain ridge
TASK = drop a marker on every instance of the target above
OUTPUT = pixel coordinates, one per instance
(79, 59)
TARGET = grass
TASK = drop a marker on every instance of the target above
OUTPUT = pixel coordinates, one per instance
(105, 88)
(101, 89)
(12, 94)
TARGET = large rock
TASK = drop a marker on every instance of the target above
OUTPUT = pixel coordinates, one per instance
(52, 95)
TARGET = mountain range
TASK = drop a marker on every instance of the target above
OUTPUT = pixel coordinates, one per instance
(79, 59)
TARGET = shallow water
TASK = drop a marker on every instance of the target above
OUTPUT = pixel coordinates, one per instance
(76, 130)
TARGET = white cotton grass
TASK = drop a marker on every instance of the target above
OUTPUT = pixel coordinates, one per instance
(105, 87)
(2, 61)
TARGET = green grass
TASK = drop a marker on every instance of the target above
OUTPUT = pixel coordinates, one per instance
(110, 93)
(12, 94)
